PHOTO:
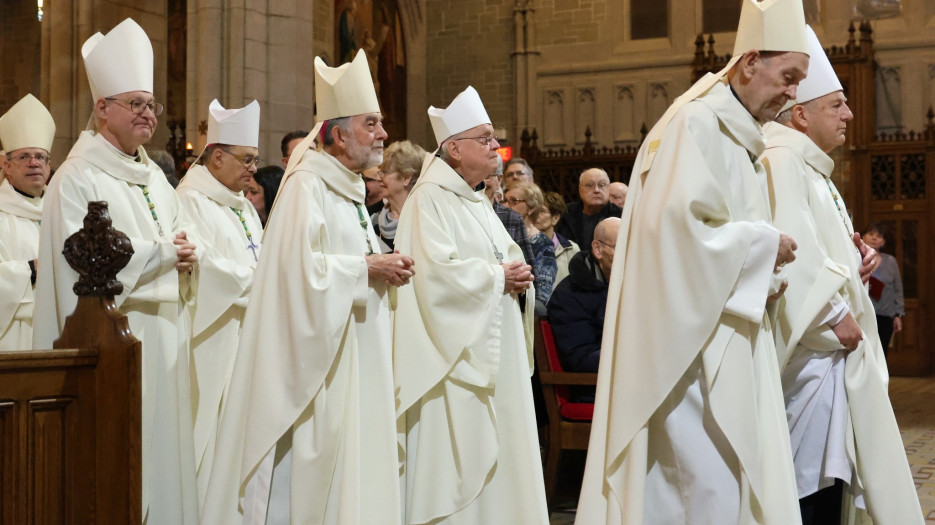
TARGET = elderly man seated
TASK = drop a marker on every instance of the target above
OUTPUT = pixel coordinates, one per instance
(576, 308)
(582, 217)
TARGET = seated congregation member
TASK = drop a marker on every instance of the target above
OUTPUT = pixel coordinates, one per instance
(565, 249)
(26, 132)
(512, 221)
(579, 221)
(886, 287)
(109, 164)
(289, 142)
(211, 192)
(262, 190)
(308, 433)
(462, 361)
(376, 192)
(847, 450)
(402, 162)
(618, 193)
(576, 309)
(526, 199)
(166, 163)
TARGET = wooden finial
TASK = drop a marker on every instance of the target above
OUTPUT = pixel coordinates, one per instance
(97, 252)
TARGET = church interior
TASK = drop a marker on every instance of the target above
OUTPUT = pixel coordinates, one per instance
(569, 85)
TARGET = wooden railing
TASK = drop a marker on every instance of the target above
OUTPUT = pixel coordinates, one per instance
(70, 417)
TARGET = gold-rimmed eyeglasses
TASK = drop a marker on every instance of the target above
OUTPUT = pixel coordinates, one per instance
(484, 140)
(25, 158)
(138, 106)
(246, 161)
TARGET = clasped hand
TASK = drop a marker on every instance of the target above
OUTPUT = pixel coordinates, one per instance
(517, 276)
(394, 268)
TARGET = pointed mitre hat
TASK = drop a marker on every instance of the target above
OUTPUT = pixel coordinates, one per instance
(466, 111)
(346, 90)
(120, 61)
(234, 127)
(28, 124)
(771, 25)
(821, 78)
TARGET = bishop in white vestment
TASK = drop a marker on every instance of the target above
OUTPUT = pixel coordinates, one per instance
(211, 193)
(26, 132)
(834, 372)
(111, 165)
(462, 352)
(689, 424)
(307, 434)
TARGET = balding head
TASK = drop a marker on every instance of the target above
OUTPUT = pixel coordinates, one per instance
(618, 193)
(592, 188)
(605, 243)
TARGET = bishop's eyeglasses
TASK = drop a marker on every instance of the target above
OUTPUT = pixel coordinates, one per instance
(138, 106)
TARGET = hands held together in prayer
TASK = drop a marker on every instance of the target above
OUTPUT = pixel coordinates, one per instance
(185, 252)
(517, 276)
(394, 268)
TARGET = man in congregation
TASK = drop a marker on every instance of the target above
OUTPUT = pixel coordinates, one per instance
(689, 423)
(229, 228)
(516, 170)
(583, 215)
(618, 193)
(308, 432)
(289, 142)
(576, 308)
(845, 440)
(461, 349)
(110, 164)
(26, 133)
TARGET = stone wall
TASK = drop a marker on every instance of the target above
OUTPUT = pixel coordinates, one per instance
(19, 48)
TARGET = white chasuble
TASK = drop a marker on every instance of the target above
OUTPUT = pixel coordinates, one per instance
(807, 205)
(689, 424)
(19, 244)
(154, 299)
(230, 231)
(310, 403)
(462, 362)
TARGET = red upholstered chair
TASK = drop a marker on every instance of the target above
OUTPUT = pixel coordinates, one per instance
(569, 423)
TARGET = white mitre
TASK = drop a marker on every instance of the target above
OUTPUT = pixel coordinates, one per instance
(466, 111)
(344, 91)
(28, 124)
(771, 25)
(119, 62)
(821, 78)
(234, 127)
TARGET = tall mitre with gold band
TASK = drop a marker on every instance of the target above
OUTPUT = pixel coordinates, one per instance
(26, 134)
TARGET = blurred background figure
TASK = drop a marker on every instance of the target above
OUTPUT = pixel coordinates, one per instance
(565, 248)
(261, 192)
(402, 162)
(618, 193)
(517, 170)
(289, 142)
(375, 190)
(886, 287)
(526, 199)
(166, 163)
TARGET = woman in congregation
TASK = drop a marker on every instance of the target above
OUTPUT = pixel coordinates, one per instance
(527, 199)
(261, 192)
(565, 248)
(402, 162)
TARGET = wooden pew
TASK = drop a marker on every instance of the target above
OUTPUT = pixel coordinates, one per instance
(70, 417)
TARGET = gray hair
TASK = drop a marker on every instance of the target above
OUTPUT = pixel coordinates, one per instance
(520, 160)
(342, 123)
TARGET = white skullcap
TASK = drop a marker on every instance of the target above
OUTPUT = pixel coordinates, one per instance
(466, 111)
(235, 127)
(28, 124)
(821, 78)
(771, 25)
(119, 62)
(346, 90)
